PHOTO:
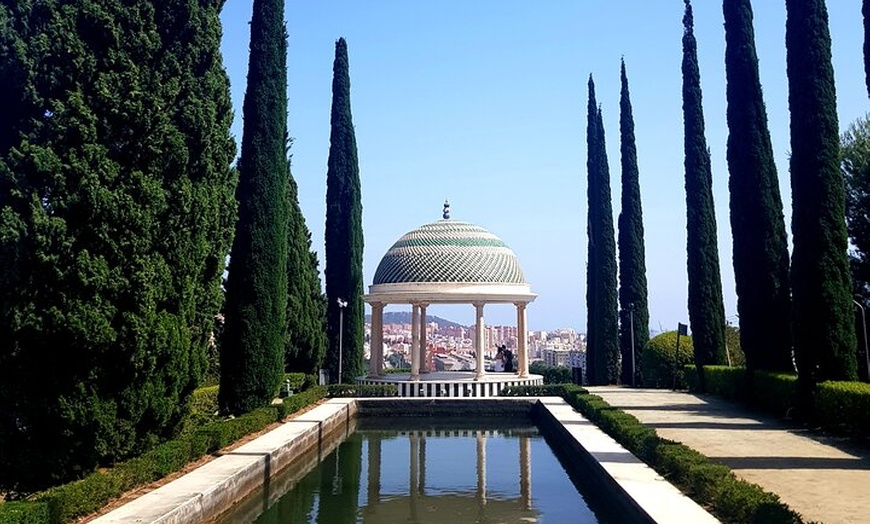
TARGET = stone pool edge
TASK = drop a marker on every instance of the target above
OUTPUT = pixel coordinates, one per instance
(209, 491)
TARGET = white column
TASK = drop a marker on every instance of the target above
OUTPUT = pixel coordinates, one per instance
(376, 361)
(374, 476)
(478, 340)
(424, 364)
(526, 472)
(481, 468)
(415, 341)
(413, 486)
(522, 341)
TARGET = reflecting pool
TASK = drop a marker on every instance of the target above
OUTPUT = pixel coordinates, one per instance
(422, 471)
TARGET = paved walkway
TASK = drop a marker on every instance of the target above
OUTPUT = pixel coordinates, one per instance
(823, 479)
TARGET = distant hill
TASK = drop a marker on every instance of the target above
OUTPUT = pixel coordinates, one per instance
(404, 317)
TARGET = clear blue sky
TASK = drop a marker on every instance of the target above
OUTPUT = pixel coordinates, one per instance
(484, 102)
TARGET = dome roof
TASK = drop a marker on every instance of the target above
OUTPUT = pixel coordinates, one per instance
(448, 251)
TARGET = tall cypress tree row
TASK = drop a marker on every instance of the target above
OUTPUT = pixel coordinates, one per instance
(255, 334)
(344, 236)
(633, 307)
(706, 311)
(822, 317)
(306, 305)
(757, 224)
(602, 330)
(116, 193)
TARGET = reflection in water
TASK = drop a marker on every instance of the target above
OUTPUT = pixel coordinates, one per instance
(427, 474)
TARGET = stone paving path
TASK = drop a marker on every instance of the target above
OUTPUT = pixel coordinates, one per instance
(824, 479)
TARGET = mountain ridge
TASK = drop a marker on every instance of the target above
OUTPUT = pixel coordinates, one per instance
(404, 317)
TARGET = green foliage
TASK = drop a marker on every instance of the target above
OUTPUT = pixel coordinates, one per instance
(300, 381)
(306, 304)
(855, 165)
(712, 485)
(865, 11)
(362, 390)
(709, 484)
(733, 347)
(71, 501)
(723, 381)
(757, 224)
(706, 310)
(657, 363)
(344, 236)
(115, 219)
(776, 393)
(25, 513)
(602, 326)
(255, 335)
(551, 374)
(843, 407)
(204, 401)
(822, 311)
(745, 502)
(547, 390)
(633, 307)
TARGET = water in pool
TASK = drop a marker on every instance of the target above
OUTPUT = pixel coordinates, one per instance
(428, 472)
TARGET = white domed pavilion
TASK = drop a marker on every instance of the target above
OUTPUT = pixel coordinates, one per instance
(448, 262)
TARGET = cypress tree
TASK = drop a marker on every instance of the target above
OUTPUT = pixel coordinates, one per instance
(706, 311)
(306, 305)
(344, 236)
(602, 344)
(634, 310)
(255, 334)
(757, 225)
(822, 317)
(865, 11)
(115, 219)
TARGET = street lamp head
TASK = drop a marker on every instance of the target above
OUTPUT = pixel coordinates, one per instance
(342, 303)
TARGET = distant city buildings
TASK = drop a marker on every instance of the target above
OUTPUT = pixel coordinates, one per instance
(451, 348)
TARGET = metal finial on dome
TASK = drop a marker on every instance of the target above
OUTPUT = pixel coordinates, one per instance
(446, 213)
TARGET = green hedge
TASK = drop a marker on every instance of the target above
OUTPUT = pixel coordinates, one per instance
(843, 407)
(362, 390)
(24, 513)
(82, 497)
(710, 484)
(551, 374)
(838, 407)
(547, 390)
(775, 393)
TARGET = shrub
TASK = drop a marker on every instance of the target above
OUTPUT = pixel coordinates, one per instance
(723, 381)
(772, 392)
(657, 360)
(547, 390)
(551, 374)
(70, 501)
(81, 497)
(740, 501)
(843, 407)
(204, 402)
(362, 390)
(24, 513)
(776, 393)
(711, 485)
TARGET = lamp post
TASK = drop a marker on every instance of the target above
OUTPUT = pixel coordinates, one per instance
(864, 326)
(341, 305)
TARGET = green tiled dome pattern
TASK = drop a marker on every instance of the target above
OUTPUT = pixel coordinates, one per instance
(449, 251)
